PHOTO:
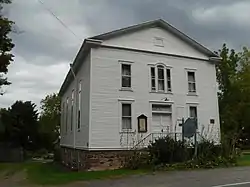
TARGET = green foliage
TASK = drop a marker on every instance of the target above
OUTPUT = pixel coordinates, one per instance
(20, 124)
(49, 121)
(6, 45)
(167, 150)
(136, 159)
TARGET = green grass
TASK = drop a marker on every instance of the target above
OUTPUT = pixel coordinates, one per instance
(244, 159)
(53, 174)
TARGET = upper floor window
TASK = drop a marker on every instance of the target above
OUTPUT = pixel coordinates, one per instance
(126, 76)
(160, 79)
(191, 82)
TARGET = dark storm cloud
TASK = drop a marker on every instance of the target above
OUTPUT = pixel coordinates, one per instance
(46, 47)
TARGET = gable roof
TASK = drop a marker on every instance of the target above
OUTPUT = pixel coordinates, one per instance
(97, 40)
(157, 23)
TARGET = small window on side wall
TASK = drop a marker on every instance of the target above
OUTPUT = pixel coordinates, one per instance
(126, 76)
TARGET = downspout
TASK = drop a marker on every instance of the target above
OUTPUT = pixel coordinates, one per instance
(74, 130)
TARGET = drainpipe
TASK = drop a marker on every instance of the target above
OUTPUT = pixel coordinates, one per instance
(74, 75)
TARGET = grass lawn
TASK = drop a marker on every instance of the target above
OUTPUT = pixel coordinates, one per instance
(244, 159)
(50, 173)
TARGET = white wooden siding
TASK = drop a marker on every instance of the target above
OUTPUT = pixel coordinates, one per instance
(82, 135)
(106, 84)
(145, 40)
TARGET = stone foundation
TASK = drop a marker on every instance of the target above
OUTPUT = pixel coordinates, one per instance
(92, 160)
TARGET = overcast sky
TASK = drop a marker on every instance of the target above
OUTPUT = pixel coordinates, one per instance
(45, 48)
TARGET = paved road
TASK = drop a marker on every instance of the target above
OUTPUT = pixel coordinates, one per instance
(239, 177)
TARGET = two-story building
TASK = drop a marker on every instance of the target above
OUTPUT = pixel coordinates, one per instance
(130, 83)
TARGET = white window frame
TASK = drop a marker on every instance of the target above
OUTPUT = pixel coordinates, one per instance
(79, 118)
(130, 76)
(126, 101)
(192, 104)
(167, 89)
(72, 110)
(191, 82)
(62, 117)
(67, 114)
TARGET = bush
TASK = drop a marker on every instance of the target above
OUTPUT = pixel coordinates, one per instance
(166, 150)
(57, 154)
(136, 159)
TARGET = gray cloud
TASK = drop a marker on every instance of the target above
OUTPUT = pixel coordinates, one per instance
(45, 49)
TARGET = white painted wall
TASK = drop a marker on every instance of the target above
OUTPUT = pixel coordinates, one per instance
(82, 134)
(144, 40)
(106, 83)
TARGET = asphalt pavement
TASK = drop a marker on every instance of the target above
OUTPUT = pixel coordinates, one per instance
(237, 176)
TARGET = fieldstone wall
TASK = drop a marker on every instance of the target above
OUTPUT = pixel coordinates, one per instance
(92, 160)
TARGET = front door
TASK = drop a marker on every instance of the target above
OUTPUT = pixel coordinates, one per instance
(161, 123)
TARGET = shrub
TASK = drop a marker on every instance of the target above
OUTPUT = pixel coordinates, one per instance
(136, 159)
(167, 150)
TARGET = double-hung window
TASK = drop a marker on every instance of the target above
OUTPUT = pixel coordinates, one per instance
(126, 76)
(160, 79)
(72, 110)
(66, 114)
(79, 105)
(191, 82)
(126, 116)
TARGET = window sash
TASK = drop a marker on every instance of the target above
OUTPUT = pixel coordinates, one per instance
(126, 116)
(126, 76)
(153, 79)
(72, 110)
(66, 114)
(193, 111)
(169, 86)
(192, 87)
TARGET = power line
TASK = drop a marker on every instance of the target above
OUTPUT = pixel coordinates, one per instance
(58, 19)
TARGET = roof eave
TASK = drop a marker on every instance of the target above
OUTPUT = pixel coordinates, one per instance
(82, 53)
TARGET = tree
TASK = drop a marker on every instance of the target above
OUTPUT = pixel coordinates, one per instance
(226, 72)
(6, 44)
(20, 124)
(49, 121)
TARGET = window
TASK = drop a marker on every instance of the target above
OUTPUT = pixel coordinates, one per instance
(191, 82)
(79, 105)
(161, 81)
(126, 76)
(62, 117)
(169, 80)
(158, 42)
(153, 86)
(66, 114)
(160, 108)
(72, 110)
(193, 111)
(126, 117)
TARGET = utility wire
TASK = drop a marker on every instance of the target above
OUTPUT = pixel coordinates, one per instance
(58, 19)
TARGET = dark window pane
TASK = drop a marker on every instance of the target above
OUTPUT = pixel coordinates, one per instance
(126, 109)
(191, 77)
(160, 73)
(126, 69)
(169, 85)
(152, 72)
(79, 119)
(168, 74)
(191, 87)
(126, 82)
(153, 84)
(193, 111)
